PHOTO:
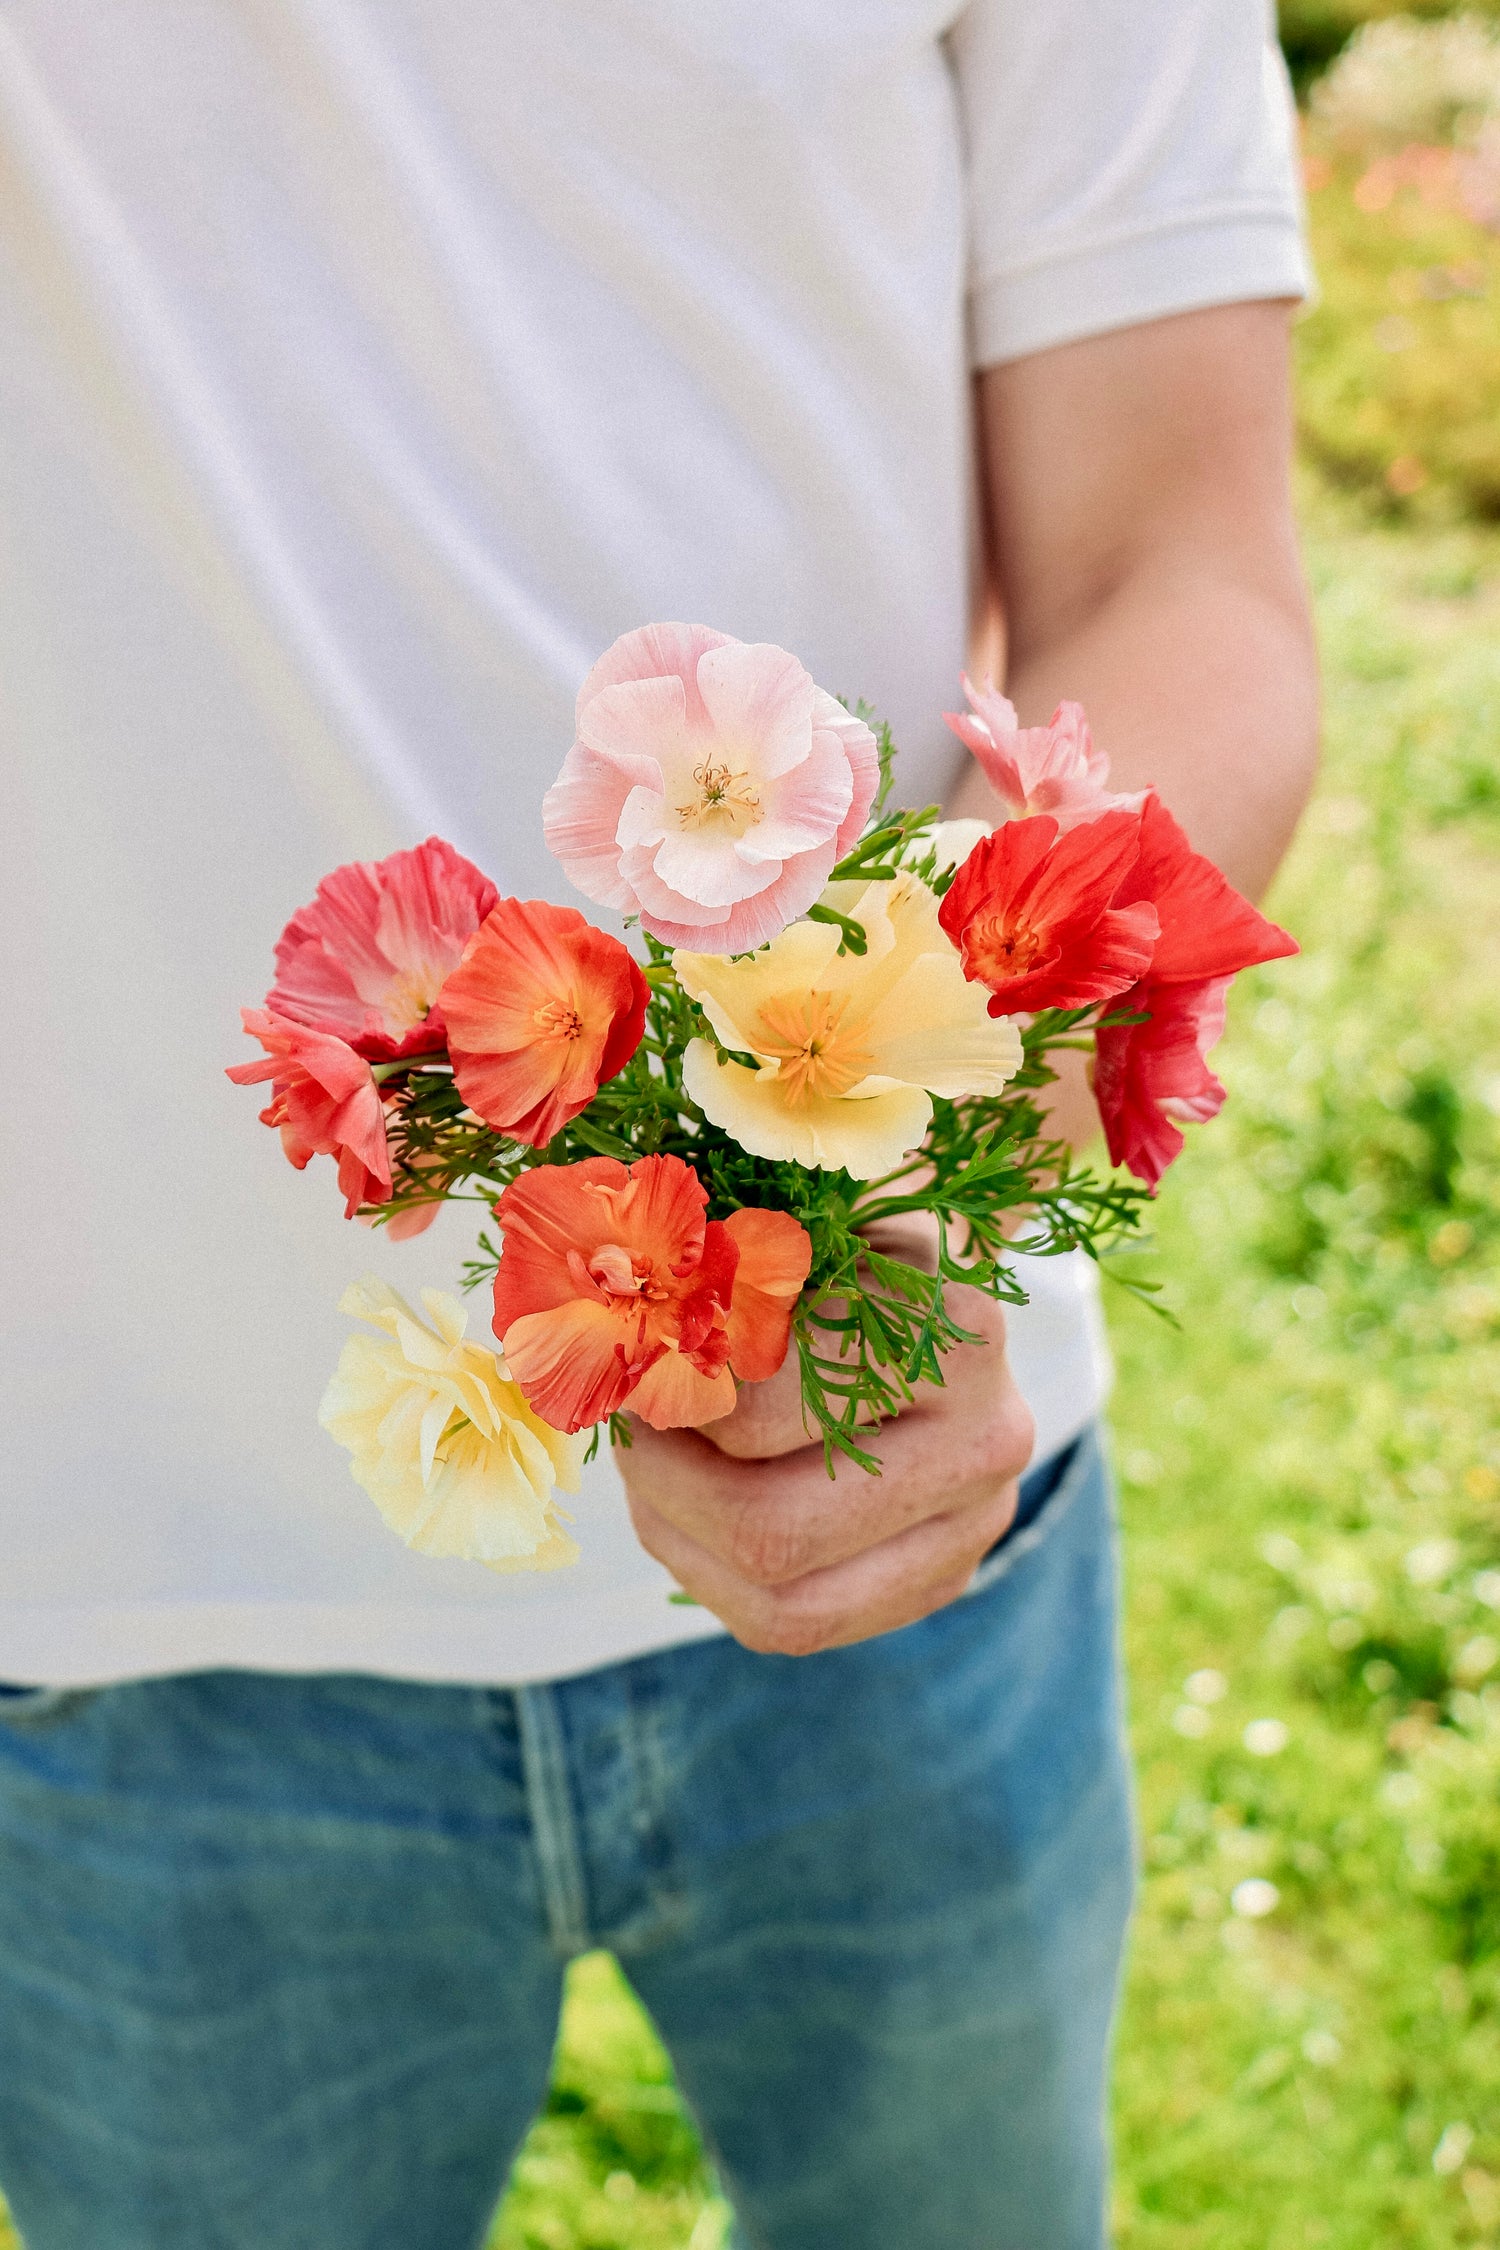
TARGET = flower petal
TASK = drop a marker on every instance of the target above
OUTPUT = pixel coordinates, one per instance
(801, 808)
(1145, 1074)
(775, 1259)
(865, 1138)
(759, 702)
(542, 1011)
(571, 1363)
(859, 747)
(674, 1395)
(941, 1033)
(442, 1439)
(365, 959)
(1207, 929)
(580, 817)
(650, 653)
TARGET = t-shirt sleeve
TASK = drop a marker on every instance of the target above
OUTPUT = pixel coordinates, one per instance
(1125, 159)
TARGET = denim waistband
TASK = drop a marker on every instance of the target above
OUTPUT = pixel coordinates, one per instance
(1038, 1486)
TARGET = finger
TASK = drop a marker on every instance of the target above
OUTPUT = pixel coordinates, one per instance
(904, 1579)
(769, 1418)
(770, 1522)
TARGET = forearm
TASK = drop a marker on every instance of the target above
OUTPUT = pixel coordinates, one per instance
(1198, 684)
(1141, 549)
(1207, 691)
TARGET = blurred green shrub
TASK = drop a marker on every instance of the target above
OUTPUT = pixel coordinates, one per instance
(1399, 393)
(1403, 80)
(1313, 31)
(1399, 361)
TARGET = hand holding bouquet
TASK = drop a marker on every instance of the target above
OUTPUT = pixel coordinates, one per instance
(841, 1026)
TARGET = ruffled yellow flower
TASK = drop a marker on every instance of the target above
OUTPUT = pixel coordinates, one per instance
(848, 1047)
(443, 1441)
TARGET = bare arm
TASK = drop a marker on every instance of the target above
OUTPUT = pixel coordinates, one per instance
(1143, 552)
(1143, 558)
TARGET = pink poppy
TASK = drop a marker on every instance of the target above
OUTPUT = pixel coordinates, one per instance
(712, 787)
(1052, 769)
(366, 959)
(1148, 1074)
(323, 1102)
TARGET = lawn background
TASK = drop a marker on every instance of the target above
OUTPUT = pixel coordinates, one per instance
(1310, 1465)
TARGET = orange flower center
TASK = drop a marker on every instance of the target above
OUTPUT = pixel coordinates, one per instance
(724, 800)
(818, 1060)
(628, 1280)
(1010, 950)
(558, 1019)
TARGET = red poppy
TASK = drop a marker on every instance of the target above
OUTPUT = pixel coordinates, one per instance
(541, 1011)
(1147, 1074)
(614, 1288)
(324, 1102)
(1207, 928)
(1032, 912)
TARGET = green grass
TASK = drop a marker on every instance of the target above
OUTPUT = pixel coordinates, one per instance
(1312, 1487)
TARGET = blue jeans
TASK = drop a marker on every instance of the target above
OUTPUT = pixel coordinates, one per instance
(280, 1957)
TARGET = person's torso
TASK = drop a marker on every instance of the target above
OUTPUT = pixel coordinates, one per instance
(364, 370)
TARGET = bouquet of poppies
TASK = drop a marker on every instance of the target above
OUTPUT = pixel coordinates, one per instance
(840, 1017)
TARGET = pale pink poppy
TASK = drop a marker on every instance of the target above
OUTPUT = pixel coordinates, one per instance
(711, 789)
(1052, 769)
(366, 959)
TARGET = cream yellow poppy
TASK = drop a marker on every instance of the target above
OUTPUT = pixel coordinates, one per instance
(443, 1441)
(848, 1047)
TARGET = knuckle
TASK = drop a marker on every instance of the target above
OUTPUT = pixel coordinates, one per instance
(1007, 1437)
(767, 1549)
(804, 1636)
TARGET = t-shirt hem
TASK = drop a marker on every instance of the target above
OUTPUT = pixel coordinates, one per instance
(1175, 265)
(51, 1646)
(92, 1646)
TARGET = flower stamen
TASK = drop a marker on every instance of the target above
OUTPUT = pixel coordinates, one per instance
(724, 799)
(625, 1279)
(802, 1036)
(1015, 948)
(557, 1019)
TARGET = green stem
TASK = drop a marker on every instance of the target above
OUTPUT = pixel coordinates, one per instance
(380, 1072)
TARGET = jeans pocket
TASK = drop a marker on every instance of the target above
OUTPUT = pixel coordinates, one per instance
(1084, 1461)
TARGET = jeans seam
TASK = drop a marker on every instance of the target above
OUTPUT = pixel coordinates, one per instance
(554, 1828)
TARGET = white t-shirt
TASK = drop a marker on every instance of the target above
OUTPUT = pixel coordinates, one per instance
(365, 367)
